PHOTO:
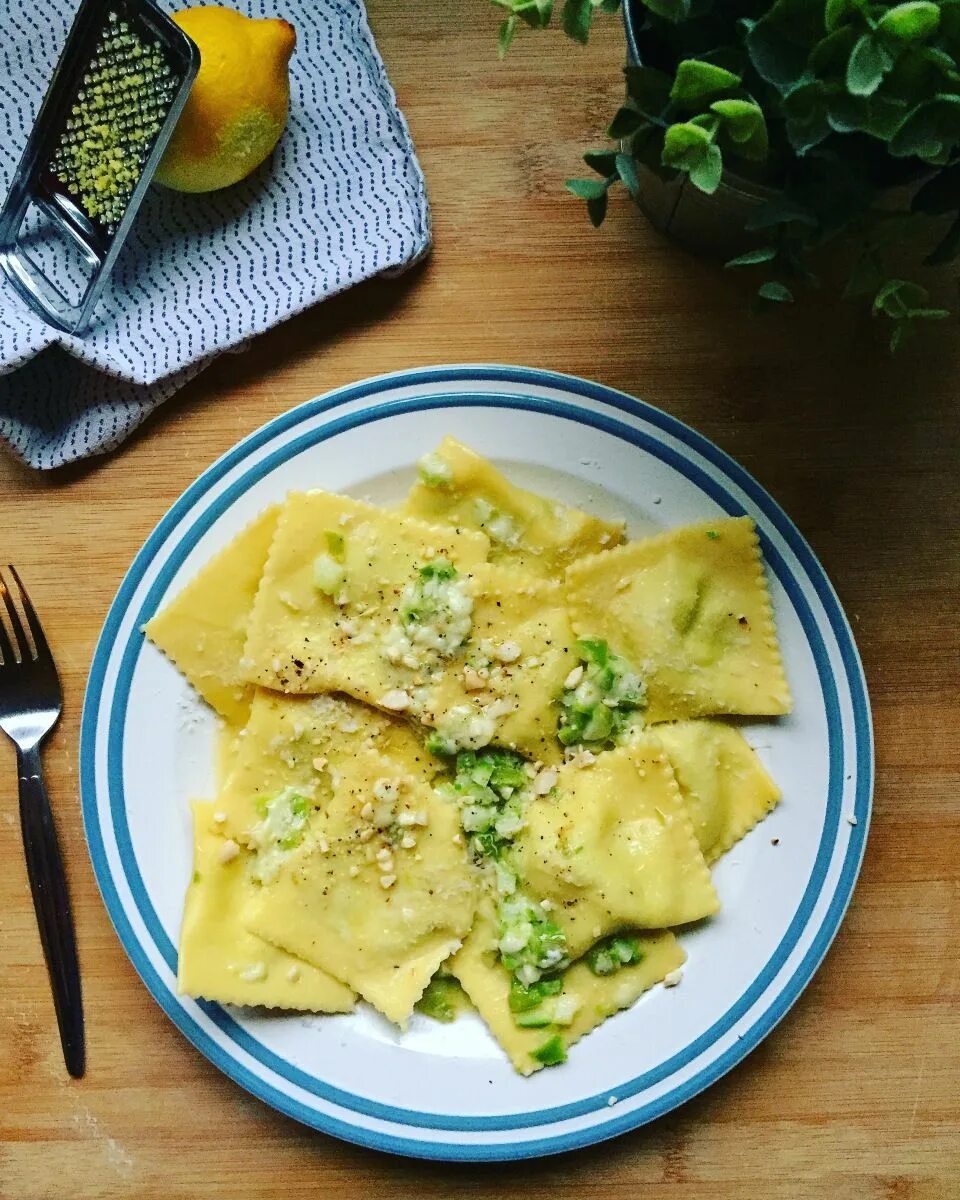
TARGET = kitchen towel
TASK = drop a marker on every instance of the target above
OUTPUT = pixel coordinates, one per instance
(341, 199)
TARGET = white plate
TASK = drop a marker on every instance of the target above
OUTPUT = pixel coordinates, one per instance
(446, 1091)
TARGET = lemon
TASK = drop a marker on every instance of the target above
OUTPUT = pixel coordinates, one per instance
(239, 101)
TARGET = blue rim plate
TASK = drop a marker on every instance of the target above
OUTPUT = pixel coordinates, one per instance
(445, 1092)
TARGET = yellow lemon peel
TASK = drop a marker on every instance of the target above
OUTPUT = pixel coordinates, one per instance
(238, 106)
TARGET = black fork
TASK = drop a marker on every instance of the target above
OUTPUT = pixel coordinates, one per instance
(30, 704)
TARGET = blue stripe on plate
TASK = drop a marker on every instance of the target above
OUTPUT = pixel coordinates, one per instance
(175, 1008)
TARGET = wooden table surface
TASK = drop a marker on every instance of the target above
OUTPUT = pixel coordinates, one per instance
(857, 1092)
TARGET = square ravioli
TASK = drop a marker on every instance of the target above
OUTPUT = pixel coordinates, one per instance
(504, 686)
(380, 892)
(203, 630)
(329, 613)
(529, 532)
(611, 847)
(590, 998)
(722, 781)
(691, 612)
(293, 744)
(219, 959)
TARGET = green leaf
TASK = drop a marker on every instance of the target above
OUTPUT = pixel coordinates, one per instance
(508, 31)
(869, 62)
(911, 22)
(762, 254)
(905, 303)
(588, 189)
(604, 162)
(930, 131)
(939, 59)
(836, 10)
(707, 173)
(689, 147)
(828, 58)
(807, 117)
(880, 115)
(649, 89)
(627, 170)
(779, 43)
(625, 122)
(741, 117)
(535, 13)
(898, 297)
(685, 142)
(670, 10)
(776, 292)
(697, 82)
(846, 113)
(709, 122)
(929, 314)
(884, 117)
(597, 209)
(940, 194)
(744, 125)
(576, 18)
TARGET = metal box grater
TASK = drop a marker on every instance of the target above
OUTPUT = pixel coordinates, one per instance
(112, 105)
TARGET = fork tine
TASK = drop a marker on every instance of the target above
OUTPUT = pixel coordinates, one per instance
(9, 649)
(36, 629)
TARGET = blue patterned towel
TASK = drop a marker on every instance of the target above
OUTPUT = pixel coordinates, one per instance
(341, 199)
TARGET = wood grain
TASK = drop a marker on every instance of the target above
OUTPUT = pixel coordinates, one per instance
(856, 1093)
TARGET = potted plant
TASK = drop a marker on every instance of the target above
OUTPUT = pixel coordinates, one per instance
(794, 131)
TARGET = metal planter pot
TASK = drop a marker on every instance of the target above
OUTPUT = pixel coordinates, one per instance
(711, 225)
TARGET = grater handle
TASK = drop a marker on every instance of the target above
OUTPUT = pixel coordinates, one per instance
(28, 278)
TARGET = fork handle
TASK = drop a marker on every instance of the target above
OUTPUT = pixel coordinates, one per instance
(51, 901)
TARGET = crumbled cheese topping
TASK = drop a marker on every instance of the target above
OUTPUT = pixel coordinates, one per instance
(545, 781)
(574, 677)
(508, 652)
(468, 728)
(228, 851)
(473, 680)
(387, 790)
(436, 617)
